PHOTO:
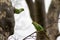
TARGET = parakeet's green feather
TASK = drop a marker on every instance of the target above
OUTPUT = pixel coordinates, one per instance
(37, 26)
(17, 11)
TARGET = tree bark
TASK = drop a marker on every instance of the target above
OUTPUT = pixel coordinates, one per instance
(32, 9)
(37, 12)
(41, 19)
(6, 19)
(48, 21)
(40, 12)
(52, 16)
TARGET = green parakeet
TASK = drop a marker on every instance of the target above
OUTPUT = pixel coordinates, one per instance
(37, 26)
(17, 11)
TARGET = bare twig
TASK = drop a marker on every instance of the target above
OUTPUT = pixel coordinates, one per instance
(30, 35)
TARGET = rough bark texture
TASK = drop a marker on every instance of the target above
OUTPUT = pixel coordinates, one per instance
(52, 16)
(6, 19)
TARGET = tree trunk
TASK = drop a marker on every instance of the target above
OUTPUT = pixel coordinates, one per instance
(37, 12)
(52, 16)
(40, 12)
(6, 19)
(48, 21)
(32, 9)
(41, 19)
